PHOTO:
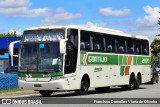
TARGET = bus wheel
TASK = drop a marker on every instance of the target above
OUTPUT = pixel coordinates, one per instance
(153, 80)
(84, 87)
(102, 89)
(131, 83)
(157, 81)
(137, 82)
(45, 93)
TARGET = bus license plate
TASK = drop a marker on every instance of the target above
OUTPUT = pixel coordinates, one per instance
(37, 85)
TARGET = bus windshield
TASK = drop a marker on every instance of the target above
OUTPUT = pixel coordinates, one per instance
(43, 35)
(40, 57)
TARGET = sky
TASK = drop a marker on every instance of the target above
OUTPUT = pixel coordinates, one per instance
(137, 17)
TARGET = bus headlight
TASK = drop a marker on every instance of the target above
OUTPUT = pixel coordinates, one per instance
(22, 78)
(56, 78)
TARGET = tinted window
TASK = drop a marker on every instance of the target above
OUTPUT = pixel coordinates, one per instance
(85, 40)
(121, 45)
(145, 47)
(130, 46)
(137, 44)
(110, 43)
(98, 43)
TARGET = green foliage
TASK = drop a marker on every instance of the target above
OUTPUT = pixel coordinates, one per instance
(3, 35)
(155, 46)
(155, 49)
(154, 60)
(9, 90)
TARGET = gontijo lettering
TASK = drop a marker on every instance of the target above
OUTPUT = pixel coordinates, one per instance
(97, 59)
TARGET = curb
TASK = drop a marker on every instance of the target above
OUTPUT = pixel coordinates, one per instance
(21, 96)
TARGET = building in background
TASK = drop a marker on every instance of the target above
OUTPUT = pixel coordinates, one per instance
(4, 55)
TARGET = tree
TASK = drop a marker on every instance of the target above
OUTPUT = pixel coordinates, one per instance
(12, 34)
(155, 49)
(159, 24)
(155, 46)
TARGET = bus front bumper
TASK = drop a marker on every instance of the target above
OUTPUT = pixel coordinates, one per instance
(56, 85)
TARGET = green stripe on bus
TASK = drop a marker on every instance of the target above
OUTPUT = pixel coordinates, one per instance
(125, 60)
(21, 75)
(108, 59)
(122, 70)
(142, 60)
(39, 75)
(135, 60)
(99, 59)
(81, 57)
(120, 60)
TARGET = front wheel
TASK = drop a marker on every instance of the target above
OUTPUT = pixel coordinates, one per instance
(84, 87)
(45, 93)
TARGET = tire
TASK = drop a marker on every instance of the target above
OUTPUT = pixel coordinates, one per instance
(84, 87)
(137, 83)
(153, 81)
(45, 93)
(102, 89)
(131, 85)
(157, 81)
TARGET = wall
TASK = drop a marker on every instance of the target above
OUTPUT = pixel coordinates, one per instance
(8, 81)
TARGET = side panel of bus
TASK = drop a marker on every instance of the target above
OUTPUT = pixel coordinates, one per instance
(108, 69)
(116, 71)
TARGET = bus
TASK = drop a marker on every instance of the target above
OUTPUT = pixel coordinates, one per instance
(77, 58)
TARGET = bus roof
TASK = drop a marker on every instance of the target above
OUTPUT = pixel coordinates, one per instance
(91, 28)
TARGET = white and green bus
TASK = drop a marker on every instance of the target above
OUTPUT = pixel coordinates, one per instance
(76, 58)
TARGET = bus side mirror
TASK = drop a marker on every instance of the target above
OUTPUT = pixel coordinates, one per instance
(63, 46)
(11, 48)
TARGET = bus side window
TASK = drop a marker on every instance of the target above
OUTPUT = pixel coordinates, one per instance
(98, 44)
(110, 43)
(121, 45)
(82, 46)
(109, 48)
(130, 46)
(121, 49)
(145, 47)
(87, 45)
(85, 41)
(137, 44)
(96, 47)
(137, 51)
